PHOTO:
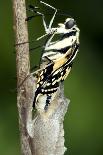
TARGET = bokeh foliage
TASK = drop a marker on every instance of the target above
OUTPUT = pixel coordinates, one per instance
(84, 86)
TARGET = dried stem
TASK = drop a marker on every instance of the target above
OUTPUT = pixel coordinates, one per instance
(23, 69)
(39, 135)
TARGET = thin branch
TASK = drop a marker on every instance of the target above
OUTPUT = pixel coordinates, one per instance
(23, 69)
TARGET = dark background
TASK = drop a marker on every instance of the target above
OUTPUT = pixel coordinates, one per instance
(84, 120)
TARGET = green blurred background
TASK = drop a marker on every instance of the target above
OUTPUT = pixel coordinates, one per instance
(84, 120)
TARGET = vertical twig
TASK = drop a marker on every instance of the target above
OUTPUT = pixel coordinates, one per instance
(23, 69)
